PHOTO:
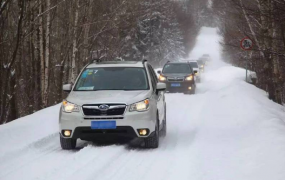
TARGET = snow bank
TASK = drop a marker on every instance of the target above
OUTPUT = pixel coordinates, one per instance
(27, 130)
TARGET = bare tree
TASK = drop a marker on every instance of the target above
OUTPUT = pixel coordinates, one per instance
(44, 43)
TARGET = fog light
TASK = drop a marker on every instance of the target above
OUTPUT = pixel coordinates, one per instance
(143, 132)
(67, 133)
(190, 88)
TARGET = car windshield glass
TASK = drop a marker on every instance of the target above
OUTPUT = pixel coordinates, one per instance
(112, 78)
(177, 68)
(194, 64)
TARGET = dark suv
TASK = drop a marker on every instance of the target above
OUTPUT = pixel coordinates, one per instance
(178, 77)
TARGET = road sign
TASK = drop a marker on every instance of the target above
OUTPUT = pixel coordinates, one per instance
(246, 44)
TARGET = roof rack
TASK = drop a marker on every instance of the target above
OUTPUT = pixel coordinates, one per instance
(96, 60)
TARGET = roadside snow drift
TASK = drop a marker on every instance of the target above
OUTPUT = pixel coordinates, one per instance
(229, 130)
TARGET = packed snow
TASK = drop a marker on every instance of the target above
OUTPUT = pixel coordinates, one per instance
(229, 130)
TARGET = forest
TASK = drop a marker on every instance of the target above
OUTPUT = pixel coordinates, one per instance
(263, 22)
(45, 43)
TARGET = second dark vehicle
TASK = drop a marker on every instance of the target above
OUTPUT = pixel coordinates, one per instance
(178, 77)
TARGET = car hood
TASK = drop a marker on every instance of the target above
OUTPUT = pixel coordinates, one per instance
(97, 97)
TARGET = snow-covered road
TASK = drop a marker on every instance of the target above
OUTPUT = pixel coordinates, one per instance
(229, 130)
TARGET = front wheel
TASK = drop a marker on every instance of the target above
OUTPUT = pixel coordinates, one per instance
(153, 142)
(191, 91)
(67, 143)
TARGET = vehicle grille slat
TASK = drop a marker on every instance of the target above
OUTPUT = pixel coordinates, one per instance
(114, 110)
(104, 118)
(175, 79)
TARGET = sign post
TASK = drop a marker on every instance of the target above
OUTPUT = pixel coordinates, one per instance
(246, 44)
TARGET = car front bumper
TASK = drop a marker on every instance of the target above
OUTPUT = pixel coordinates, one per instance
(127, 125)
(184, 86)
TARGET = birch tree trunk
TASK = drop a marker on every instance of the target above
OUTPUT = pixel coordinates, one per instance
(5, 100)
(277, 75)
(74, 44)
(47, 54)
(86, 33)
(268, 36)
(41, 50)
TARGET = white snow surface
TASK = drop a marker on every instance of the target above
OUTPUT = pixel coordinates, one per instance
(229, 130)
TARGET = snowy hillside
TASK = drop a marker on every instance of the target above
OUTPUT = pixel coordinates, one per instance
(229, 130)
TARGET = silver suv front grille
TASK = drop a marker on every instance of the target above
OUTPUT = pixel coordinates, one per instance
(104, 109)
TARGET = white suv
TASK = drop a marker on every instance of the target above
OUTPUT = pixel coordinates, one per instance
(111, 100)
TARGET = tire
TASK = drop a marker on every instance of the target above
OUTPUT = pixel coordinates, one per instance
(153, 142)
(163, 131)
(188, 92)
(67, 143)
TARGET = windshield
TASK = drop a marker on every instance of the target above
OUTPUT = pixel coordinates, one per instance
(112, 78)
(194, 64)
(177, 68)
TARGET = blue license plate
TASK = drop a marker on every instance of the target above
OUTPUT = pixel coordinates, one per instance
(175, 84)
(103, 125)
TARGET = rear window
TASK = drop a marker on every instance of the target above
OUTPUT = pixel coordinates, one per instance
(194, 64)
(200, 62)
(177, 69)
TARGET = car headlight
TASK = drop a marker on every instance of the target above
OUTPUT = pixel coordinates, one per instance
(140, 106)
(162, 78)
(69, 107)
(202, 66)
(189, 78)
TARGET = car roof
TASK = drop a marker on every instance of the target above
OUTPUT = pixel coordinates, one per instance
(191, 60)
(178, 62)
(116, 64)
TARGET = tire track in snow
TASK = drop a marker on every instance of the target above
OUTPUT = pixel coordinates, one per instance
(37, 152)
(90, 156)
(15, 160)
(133, 160)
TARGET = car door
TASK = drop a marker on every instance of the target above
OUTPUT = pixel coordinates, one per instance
(158, 96)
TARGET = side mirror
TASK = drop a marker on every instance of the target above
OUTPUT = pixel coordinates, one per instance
(161, 87)
(195, 72)
(159, 72)
(67, 87)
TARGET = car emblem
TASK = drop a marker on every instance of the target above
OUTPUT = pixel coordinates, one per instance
(104, 107)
